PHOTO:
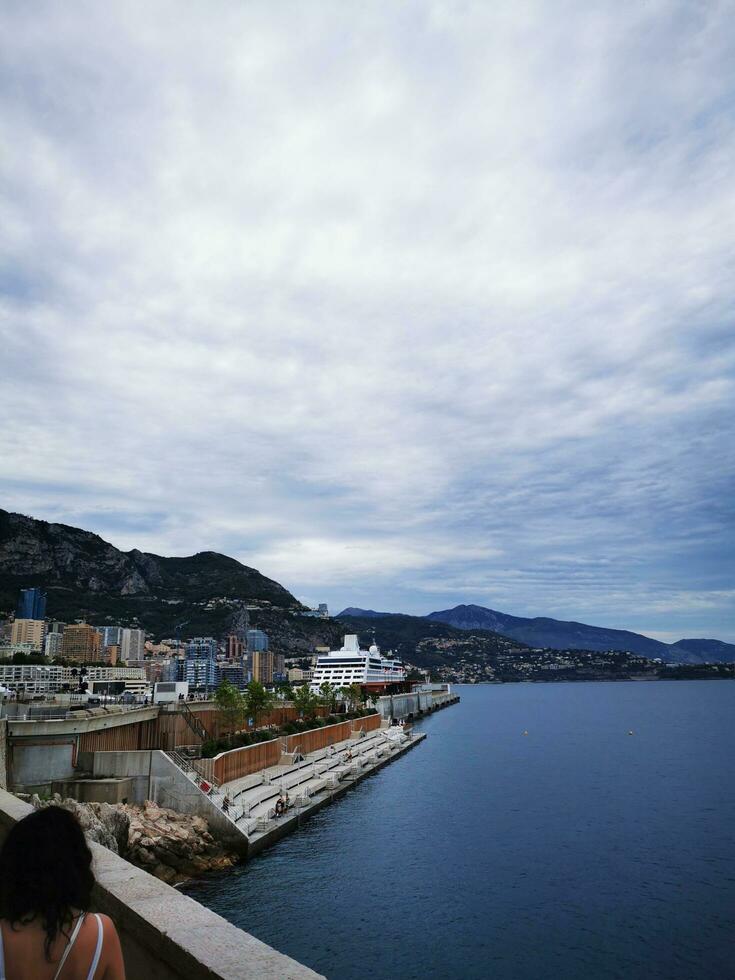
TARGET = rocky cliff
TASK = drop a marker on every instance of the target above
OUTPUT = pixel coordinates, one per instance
(57, 556)
(86, 577)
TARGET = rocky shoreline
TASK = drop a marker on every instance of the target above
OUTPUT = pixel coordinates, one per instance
(174, 847)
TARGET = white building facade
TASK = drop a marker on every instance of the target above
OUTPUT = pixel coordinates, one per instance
(351, 665)
(132, 644)
(34, 679)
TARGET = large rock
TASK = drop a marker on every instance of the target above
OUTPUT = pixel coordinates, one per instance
(172, 846)
(102, 823)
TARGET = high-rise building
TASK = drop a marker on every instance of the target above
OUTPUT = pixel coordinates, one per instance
(201, 672)
(234, 673)
(52, 645)
(110, 636)
(256, 640)
(279, 667)
(132, 644)
(174, 669)
(28, 631)
(263, 666)
(202, 646)
(235, 647)
(81, 642)
(56, 626)
(200, 667)
(31, 604)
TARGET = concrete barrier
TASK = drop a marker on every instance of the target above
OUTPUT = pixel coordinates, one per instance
(135, 766)
(171, 788)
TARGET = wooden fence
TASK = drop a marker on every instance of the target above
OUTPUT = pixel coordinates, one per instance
(170, 730)
(241, 762)
(227, 766)
(317, 738)
(370, 723)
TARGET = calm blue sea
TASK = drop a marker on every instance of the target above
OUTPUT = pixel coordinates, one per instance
(576, 851)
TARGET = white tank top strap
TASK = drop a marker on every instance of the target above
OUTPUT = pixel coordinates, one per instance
(69, 945)
(98, 948)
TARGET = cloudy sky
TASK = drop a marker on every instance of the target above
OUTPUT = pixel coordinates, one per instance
(404, 304)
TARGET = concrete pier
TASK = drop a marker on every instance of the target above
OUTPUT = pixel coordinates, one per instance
(414, 704)
(311, 782)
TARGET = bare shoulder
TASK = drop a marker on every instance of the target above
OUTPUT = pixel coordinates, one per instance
(107, 924)
(112, 966)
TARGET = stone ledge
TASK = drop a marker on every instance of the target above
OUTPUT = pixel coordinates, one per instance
(165, 934)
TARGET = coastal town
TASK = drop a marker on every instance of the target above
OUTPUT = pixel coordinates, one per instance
(137, 731)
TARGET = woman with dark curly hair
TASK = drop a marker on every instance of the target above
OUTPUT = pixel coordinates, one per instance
(46, 883)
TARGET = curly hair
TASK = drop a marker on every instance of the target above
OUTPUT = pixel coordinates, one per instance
(45, 872)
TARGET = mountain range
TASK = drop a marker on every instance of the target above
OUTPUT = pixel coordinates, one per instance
(562, 635)
(85, 577)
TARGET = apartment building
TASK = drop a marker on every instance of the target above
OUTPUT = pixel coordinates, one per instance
(81, 642)
(30, 631)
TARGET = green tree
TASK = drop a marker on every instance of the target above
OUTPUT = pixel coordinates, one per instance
(329, 695)
(284, 692)
(257, 700)
(231, 704)
(305, 701)
(353, 695)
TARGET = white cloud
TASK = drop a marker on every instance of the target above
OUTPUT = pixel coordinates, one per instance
(448, 284)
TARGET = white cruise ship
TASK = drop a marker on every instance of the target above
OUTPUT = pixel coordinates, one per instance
(351, 665)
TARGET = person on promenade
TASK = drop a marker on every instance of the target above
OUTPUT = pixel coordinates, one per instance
(226, 804)
(46, 880)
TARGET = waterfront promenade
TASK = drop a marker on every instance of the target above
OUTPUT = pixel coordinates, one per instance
(310, 782)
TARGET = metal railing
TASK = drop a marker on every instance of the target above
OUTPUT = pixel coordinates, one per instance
(213, 792)
(192, 721)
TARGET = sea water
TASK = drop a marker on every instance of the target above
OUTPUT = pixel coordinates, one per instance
(572, 830)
